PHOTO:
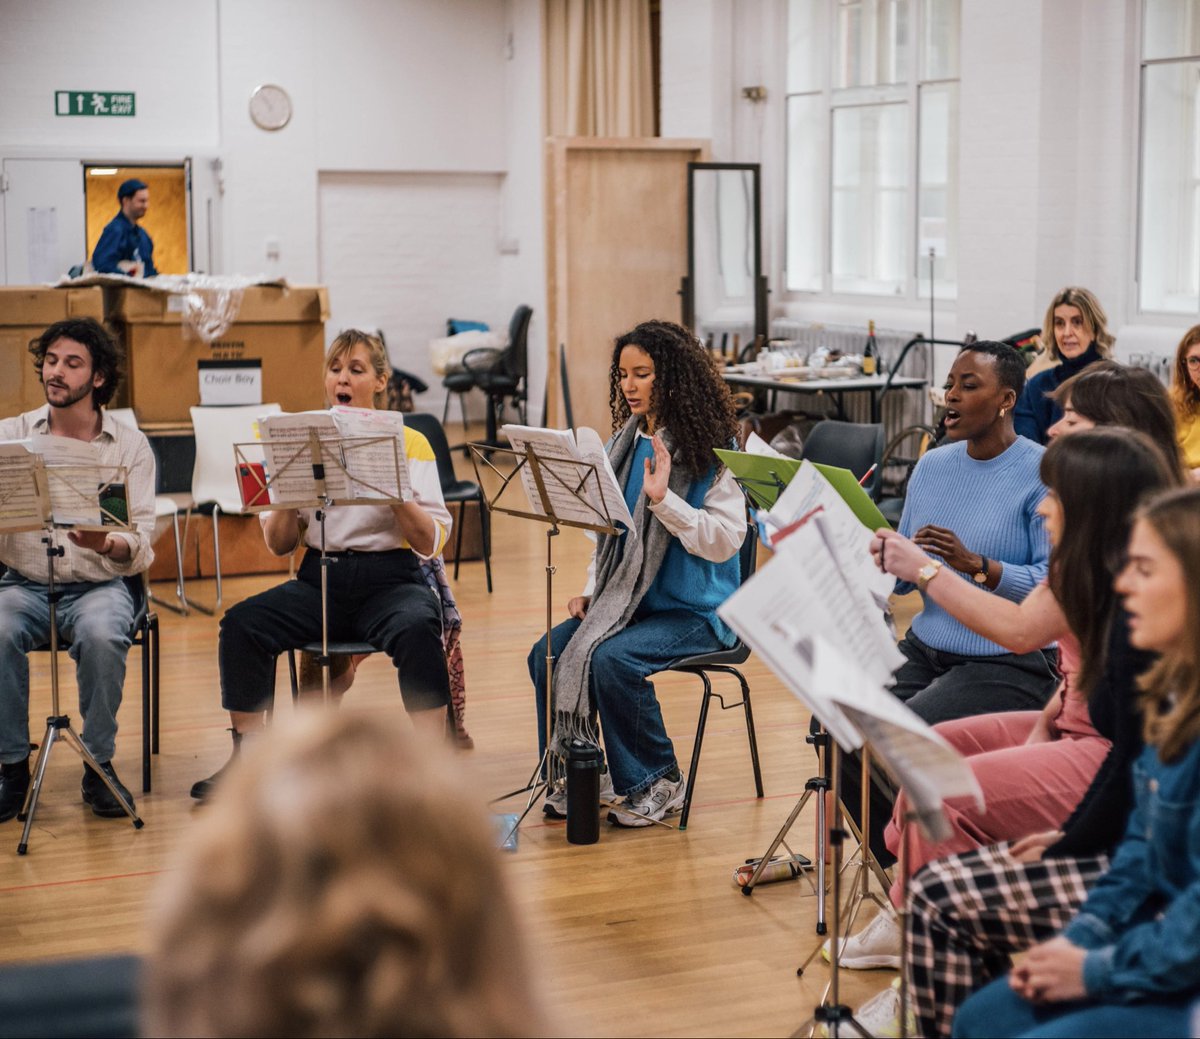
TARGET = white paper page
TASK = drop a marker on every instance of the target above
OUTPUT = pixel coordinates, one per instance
(375, 467)
(20, 505)
(809, 489)
(913, 753)
(73, 478)
(564, 481)
(591, 449)
(756, 445)
(776, 614)
(285, 440)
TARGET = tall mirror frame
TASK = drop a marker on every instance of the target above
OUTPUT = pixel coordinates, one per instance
(724, 289)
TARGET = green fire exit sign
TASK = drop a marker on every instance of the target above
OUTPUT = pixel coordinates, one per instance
(94, 102)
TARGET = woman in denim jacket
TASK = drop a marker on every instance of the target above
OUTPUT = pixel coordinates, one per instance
(1129, 962)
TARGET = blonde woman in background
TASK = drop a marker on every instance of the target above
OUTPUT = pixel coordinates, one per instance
(347, 886)
(1185, 396)
(1075, 330)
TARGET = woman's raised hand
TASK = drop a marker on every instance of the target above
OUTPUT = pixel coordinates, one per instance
(654, 478)
(894, 554)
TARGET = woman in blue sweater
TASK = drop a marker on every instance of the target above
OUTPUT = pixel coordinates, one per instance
(1129, 962)
(1075, 330)
(652, 594)
(972, 503)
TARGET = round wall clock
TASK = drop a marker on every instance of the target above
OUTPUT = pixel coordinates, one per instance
(270, 107)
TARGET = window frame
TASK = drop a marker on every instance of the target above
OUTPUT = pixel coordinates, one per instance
(915, 291)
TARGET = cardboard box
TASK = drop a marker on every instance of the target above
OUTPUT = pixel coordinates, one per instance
(25, 312)
(282, 328)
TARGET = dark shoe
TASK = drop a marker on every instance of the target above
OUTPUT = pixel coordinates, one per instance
(203, 789)
(14, 785)
(98, 797)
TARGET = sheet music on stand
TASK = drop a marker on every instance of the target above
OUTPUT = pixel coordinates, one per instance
(70, 487)
(576, 473)
(361, 453)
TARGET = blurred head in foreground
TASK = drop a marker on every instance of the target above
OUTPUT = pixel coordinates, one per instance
(345, 885)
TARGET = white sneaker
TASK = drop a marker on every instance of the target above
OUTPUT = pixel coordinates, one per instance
(662, 798)
(555, 805)
(876, 945)
(880, 1015)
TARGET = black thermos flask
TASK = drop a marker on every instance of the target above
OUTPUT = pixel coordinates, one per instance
(583, 793)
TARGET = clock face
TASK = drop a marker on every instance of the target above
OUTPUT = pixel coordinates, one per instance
(270, 107)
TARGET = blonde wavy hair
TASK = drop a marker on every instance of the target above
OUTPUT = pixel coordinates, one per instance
(345, 343)
(1171, 688)
(341, 884)
(1092, 312)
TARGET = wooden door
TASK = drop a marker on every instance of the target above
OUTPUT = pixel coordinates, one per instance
(617, 250)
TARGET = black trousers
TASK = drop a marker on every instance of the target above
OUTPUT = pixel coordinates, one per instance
(375, 597)
(941, 687)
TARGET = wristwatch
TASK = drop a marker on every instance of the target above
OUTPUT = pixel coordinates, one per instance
(927, 573)
(981, 575)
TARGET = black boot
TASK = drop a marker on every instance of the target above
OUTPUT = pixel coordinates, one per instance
(98, 797)
(14, 785)
(202, 789)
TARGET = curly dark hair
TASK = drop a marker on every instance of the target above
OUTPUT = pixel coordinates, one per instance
(689, 396)
(108, 359)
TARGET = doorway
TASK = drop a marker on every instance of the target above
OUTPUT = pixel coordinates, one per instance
(167, 221)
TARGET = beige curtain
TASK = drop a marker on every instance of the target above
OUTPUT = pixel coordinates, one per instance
(597, 62)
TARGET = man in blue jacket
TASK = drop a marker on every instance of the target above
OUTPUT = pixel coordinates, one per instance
(125, 248)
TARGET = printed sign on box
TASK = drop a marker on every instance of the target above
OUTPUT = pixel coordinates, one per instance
(230, 382)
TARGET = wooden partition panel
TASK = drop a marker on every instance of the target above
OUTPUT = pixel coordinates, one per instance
(617, 250)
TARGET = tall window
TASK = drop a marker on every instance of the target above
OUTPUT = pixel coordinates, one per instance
(872, 146)
(1169, 228)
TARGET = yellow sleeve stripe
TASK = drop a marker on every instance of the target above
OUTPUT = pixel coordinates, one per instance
(417, 447)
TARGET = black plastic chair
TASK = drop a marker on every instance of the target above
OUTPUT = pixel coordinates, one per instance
(849, 445)
(95, 996)
(454, 490)
(502, 373)
(726, 662)
(145, 635)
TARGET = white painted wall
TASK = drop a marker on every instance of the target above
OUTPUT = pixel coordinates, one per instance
(436, 87)
(1049, 140)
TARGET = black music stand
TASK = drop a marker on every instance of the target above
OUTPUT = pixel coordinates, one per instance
(30, 506)
(304, 468)
(569, 495)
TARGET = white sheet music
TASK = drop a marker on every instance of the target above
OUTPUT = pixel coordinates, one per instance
(378, 467)
(289, 460)
(809, 489)
(920, 760)
(73, 478)
(576, 491)
(20, 504)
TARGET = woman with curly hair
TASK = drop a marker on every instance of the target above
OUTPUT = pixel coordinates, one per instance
(652, 593)
(1185, 396)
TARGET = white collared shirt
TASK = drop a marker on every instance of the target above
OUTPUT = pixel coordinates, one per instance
(116, 444)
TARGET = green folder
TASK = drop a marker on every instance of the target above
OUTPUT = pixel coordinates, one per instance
(764, 477)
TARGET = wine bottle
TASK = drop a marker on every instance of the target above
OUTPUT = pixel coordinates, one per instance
(870, 359)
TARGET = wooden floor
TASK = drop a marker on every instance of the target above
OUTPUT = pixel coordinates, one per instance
(643, 933)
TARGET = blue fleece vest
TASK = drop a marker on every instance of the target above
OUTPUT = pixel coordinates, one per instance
(685, 581)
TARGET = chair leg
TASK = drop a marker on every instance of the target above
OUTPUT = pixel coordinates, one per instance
(217, 555)
(462, 505)
(181, 604)
(695, 765)
(155, 686)
(750, 734)
(485, 532)
(462, 406)
(146, 711)
(292, 675)
(446, 408)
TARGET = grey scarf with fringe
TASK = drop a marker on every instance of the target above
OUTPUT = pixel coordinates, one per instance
(622, 578)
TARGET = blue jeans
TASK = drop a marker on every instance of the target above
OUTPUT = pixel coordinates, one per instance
(98, 619)
(635, 738)
(996, 1010)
